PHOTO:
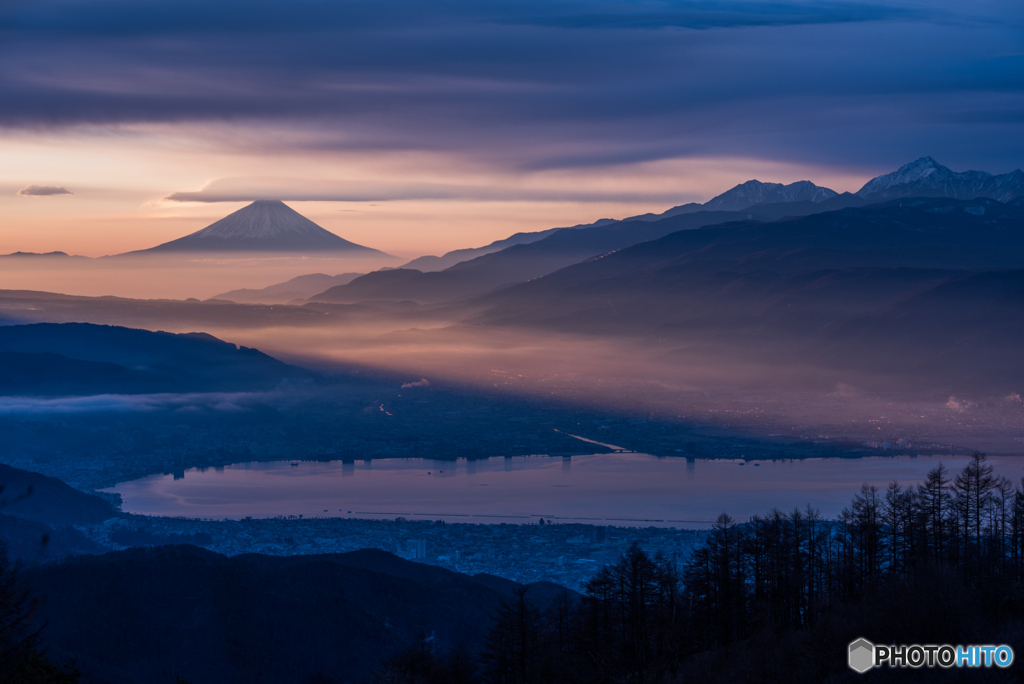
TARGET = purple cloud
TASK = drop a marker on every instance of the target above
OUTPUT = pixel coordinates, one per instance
(538, 85)
(43, 191)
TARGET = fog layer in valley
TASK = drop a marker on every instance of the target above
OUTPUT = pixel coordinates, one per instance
(169, 277)
(883, 321)
(682, 388)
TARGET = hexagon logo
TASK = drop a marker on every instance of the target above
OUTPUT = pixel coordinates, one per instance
(861, 655)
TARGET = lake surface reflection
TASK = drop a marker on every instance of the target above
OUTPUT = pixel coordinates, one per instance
(609, 489)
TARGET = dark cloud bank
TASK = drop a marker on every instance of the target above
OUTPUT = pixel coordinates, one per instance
(539, 85)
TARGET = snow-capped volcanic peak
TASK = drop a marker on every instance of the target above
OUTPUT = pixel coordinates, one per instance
(263, 226)
(261, 220)
(928, 178)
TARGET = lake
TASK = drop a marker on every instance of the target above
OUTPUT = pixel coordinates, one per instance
(625, 489)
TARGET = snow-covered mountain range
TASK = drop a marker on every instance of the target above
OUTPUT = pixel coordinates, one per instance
(755, 192)
(922, 178)
(928, 178)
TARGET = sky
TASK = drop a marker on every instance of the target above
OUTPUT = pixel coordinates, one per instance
(417, 127)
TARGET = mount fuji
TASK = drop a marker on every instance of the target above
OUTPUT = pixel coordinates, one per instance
(263, 226)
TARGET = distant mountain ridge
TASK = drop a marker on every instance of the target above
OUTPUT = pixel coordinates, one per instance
(300, 287)
(921, 178)
(739, 198)
(754, 192)
(513, 264)
(564, 247)
(263, 226)
(30, 255)
(926, 177)
(449, 259)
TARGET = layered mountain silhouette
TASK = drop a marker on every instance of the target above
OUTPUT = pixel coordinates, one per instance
(922, 178)
(795, 199)
(301, 287)
(558, 249)
(927, 235)
(513, 264)
(439, 263)
(263, 226)
(926, 287)
(80, 359)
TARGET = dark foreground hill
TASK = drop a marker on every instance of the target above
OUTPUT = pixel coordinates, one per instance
(37, 514)
(30, 542)
(149, 615)
(48, 500)
(85, 359)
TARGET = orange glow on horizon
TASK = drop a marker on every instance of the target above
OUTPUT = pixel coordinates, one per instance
(120, 179)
